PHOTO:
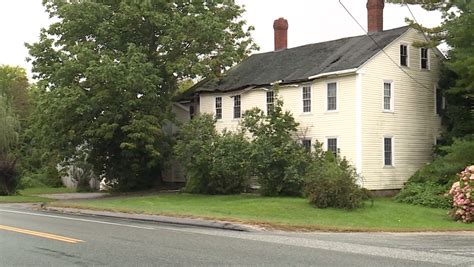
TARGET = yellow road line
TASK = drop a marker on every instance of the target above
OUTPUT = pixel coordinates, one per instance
(41, 234)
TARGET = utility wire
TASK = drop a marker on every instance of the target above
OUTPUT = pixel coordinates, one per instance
(381, 48)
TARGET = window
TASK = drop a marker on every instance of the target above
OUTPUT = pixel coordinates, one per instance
(332, 145)
(236, 106)
(387, 148)
(191, 111)
(270, 101)
(403, 55)
(387, 96)
(440, 101)
(424, 58)
(306, 98)
(306, 143)
(332, 96)
(218, 108)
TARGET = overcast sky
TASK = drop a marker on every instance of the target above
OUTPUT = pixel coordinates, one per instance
(310, 21)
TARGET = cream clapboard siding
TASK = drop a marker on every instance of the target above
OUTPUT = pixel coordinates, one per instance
(413, 125)
(318, 124)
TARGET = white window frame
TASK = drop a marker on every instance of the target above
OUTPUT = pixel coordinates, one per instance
(310, 144)
(239, 106)
(266, 100)
(216, 108)
(408, 55)
(427, 58)
(327, 96)
(392, 154)
(337, 143)
(306, 99)
(392, 96)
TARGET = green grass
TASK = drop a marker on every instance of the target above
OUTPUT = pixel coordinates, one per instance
(46, 190)
(27, 195)
(283, 212)
(22, 199)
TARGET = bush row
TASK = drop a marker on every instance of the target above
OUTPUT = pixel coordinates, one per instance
(265, 148)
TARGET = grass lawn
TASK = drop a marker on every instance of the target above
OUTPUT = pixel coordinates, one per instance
(283, 212)
(46, 190)
(22, 199)
(27, 194)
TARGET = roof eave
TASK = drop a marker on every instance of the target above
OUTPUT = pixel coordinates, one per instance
(333, 73)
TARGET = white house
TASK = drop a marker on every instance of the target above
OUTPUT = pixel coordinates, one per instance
(373, 97)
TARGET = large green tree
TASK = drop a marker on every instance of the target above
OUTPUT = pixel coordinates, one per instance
(14, 86)
(9, 132)
(13, 110)
(108, 69)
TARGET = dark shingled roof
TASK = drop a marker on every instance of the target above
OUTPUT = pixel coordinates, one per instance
(299, 63)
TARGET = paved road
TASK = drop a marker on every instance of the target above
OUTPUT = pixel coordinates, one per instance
(32, 238)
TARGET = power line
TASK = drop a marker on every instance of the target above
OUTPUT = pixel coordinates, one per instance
(381, 48)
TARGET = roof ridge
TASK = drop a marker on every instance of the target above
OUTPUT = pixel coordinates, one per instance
(333, 40)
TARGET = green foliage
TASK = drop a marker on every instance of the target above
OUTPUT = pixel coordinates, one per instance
(107, 72)
(46, 176)
(9, 132)
(460, 38)
(194, 150)
(443, 170)
(331, 182)
(428, 194)
(39, 159)
(230, 171)
(426, 186)
(14, 86)
(8, 143)
(277, 159)
(457, 118)
(214, 163)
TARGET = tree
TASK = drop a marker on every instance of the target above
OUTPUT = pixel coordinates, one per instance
(8, 142)
(14, 86)
(13, 110)
(108, 69)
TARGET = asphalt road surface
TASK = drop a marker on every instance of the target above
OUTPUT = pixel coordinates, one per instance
(34, 238)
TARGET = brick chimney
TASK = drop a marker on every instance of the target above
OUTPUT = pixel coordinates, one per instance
(375, 15)
(280, 26)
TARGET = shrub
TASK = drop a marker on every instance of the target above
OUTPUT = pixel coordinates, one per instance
(214, 163)
(8, 177)
(428, 194)
(424, 187)
(47, 176)
(278, 160)
(230, 168)
(443, 169)
(331, 182)
(462, 193)
(194, 150)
